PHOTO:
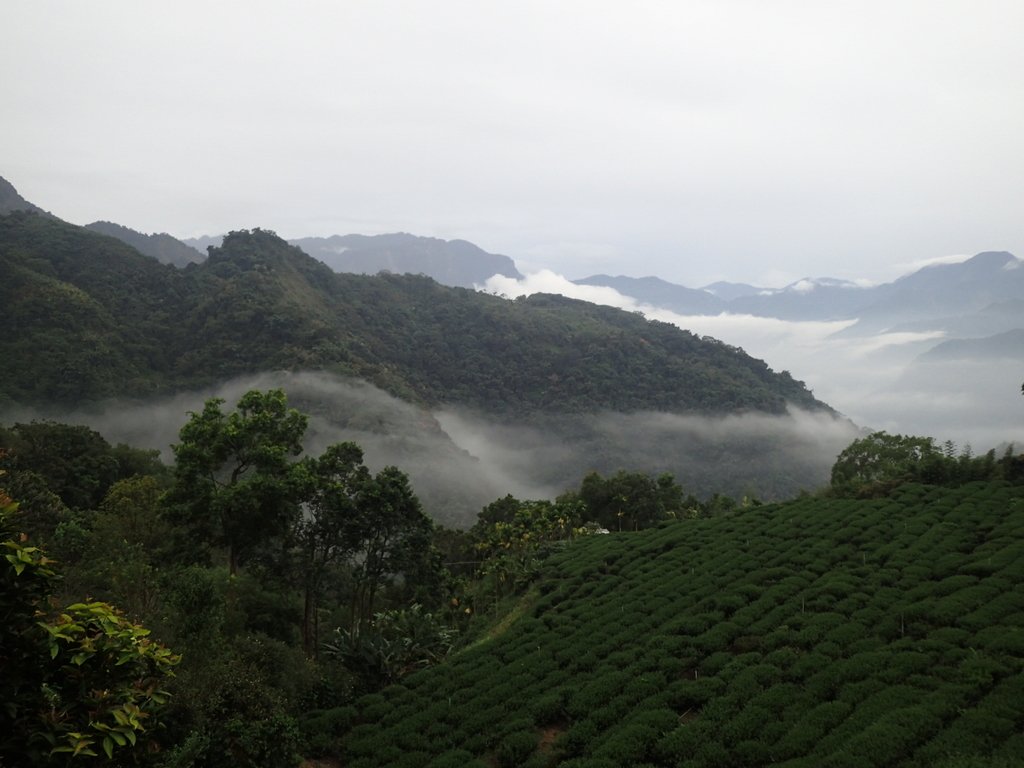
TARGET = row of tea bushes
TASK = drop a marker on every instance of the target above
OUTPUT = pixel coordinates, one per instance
(819, 632)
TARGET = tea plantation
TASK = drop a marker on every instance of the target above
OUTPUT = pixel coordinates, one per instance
(818, 632)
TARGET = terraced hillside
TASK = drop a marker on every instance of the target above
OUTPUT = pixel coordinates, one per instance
(819, 632)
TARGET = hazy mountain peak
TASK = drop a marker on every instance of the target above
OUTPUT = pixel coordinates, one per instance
(649, 280)
(808, 284)
(728, 291)
(161, 246)
(659, 293)
(990, 261)
(457, 263)
(991, 258)
(983, 264)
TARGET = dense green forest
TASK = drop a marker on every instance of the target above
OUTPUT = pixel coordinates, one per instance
(88, 317)
(273, 605)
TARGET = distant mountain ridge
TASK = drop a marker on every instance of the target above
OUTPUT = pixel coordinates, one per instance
(456, 263)
(162, 247)
(660, 293)
(939, 290)
(990, 320)
(933, 298)
(1008, 345)
(967, 299)
(728, 291)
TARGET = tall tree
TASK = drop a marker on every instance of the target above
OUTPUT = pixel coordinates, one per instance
(234, 479)
(393, 539)
(330, 529)
(881, 459)
(630, 500)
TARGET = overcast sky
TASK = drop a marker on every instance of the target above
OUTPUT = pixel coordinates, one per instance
(757, 141)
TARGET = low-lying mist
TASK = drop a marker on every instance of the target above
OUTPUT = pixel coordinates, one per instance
(763, 455)
(876, 380)
(458, 461)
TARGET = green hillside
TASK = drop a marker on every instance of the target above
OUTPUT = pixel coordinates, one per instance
(87, 317)
(84, 316)
(819, 632)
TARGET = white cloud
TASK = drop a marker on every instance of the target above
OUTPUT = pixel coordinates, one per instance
(865, 346)
(759, 336)
(546, 281)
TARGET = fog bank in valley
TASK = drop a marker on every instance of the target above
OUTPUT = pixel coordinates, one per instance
(768, 456)
(459, 461)
(876, 380)
(390, 431)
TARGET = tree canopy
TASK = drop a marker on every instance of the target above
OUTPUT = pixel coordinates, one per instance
(880, 458)
(629, 501)
(875, 464)
(234, 480)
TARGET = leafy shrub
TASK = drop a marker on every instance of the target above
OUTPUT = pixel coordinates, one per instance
(548, 708)
(516, 747)
(321, 730)
(577, 739)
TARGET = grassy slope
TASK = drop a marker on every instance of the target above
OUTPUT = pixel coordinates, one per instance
(812, 633)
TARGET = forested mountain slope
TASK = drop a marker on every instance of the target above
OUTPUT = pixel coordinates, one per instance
(819, 632)
(87, 317)
(84, 316)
